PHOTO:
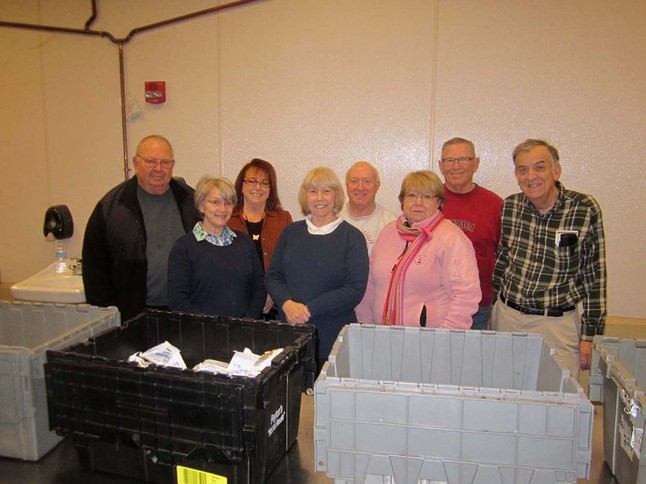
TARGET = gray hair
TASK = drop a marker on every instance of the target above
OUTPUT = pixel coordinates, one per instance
(530, 143)
(208, 183)
(459, 141)
(157, 137)
(375, 172)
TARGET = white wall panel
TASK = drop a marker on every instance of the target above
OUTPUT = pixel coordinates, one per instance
(308, 83)
(311, 82)
(570, 72)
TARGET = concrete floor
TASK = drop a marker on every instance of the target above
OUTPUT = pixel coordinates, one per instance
(61, 465)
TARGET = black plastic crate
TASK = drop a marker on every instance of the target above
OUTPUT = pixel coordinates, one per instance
(144, 422)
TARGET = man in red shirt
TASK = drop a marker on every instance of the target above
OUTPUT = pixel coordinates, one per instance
(476, 211)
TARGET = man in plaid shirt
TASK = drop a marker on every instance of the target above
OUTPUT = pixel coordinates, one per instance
(551, 256)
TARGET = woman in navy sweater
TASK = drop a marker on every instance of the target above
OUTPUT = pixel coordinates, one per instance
(215, 270)
(319, 270)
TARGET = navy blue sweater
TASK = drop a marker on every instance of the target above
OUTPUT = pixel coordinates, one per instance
(208, 279)
(327, 273)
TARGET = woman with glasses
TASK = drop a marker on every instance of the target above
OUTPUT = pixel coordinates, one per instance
(259, 213)
(423, 269)
(215, 270)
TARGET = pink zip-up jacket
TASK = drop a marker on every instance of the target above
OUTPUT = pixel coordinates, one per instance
(443, 277)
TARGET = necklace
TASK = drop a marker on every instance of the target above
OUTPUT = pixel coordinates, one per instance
(254, 229)
(246, 217)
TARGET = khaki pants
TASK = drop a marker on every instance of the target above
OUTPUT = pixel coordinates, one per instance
(562, 333)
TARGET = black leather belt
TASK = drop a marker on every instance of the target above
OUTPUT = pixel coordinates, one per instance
(552, 312)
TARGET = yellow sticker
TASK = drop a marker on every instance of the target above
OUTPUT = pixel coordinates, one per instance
(186, 475)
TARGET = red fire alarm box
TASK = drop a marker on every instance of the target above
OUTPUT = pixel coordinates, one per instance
(155, 92)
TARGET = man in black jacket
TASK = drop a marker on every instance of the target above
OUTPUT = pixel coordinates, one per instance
(132, 229)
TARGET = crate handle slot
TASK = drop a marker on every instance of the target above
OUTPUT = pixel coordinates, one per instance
(143, 409)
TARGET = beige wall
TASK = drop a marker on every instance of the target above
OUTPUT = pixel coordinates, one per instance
(311, 82)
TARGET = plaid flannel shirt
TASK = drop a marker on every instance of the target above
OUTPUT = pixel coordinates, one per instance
(533, 271)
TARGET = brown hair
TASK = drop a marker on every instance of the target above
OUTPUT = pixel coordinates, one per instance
(262, 166)
(424, 181)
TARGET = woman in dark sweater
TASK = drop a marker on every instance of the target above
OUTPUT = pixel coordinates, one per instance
(215, 270)
(319, 270)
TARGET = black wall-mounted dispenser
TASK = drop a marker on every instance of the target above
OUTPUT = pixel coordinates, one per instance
(58, 222)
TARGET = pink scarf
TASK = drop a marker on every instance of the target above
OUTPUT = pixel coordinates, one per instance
(393, 307)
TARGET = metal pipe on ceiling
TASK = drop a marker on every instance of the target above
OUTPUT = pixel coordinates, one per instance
(124, 128)
(90, 21)
(121, 43)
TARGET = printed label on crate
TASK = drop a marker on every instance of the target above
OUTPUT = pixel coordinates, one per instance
(625, 435)
(636, 441)
(276, 419)
(186, 475)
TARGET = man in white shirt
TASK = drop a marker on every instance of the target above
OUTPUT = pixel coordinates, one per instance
(362, 183)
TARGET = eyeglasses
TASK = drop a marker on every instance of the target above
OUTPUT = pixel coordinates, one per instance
(152, 162)
(412, 197)
(461, 159)
(252, 182)
(219, 202)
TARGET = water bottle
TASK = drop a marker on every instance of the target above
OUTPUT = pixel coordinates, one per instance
(61, 259)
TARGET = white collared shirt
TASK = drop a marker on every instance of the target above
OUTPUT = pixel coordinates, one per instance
(326, 229)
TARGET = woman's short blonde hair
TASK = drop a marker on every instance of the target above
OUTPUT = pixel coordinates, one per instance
(422, 182)
(321, 177)
(208, 183)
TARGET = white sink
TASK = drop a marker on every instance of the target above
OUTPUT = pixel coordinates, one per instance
(49, 286)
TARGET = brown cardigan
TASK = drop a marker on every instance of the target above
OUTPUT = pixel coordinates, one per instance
(272, 225)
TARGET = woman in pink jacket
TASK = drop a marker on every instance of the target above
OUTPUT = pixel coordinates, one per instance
(423, 269)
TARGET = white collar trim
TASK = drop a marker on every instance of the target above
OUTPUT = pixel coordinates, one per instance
(326, 229)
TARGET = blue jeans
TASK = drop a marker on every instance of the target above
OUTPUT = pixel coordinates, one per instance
(480, 318)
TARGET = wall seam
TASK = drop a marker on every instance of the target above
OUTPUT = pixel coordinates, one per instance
(218, 100)
(43, 93)
(433, 94)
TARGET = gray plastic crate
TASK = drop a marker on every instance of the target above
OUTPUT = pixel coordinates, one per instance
(617, 378)
(27, 330)
(407, 405)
